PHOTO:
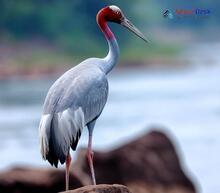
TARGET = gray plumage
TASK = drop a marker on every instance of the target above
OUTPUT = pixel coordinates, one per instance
(75, 100)
(78, 97)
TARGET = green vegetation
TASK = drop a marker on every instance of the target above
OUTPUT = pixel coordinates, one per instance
(67, 30)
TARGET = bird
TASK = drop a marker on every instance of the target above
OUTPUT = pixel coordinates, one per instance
(77, 98)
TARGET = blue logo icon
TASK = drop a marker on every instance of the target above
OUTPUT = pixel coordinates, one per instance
(168, 14)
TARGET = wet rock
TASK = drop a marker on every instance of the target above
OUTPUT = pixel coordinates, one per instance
(26, 180)
(149, 164)
(102, 188)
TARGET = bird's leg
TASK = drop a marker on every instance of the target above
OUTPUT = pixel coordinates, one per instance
(90, 159)
(68, 162)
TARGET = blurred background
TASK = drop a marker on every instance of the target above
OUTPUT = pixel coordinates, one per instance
(172, 82)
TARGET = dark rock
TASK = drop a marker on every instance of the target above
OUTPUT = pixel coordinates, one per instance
(24, 180)
(149, 164)
(102, 188)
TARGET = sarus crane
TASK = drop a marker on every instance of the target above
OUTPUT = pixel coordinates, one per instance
(77, 98)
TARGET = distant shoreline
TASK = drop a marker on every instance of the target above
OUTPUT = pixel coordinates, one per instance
(38, 72)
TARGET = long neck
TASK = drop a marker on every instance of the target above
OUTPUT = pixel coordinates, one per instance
(113, 55)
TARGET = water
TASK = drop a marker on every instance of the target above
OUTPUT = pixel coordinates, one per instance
(185, 104)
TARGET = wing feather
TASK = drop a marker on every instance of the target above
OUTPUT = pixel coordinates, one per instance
(67, 111)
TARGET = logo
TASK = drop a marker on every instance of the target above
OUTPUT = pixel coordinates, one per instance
(168, 14)
(187, 13)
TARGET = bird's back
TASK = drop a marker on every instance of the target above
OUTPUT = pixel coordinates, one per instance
(73, 101)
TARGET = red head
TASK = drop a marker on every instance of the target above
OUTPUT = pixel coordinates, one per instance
(110, 13)
(114, 14)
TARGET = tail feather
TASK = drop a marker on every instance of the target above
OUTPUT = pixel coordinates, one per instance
(44, 131)
(51, 156)
(59, 132)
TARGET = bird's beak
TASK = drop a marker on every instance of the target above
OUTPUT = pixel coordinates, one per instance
(126, 23)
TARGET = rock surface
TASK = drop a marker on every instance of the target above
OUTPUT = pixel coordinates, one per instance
(148, 164)
(102, 188)
(25, 180)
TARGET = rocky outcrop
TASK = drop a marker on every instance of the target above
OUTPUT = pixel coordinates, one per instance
(147, 165)
(26, 180)
(102, 188)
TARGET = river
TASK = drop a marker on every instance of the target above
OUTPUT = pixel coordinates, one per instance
(183, 103)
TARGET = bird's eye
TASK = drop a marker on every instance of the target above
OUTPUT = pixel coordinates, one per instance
(118, 13)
